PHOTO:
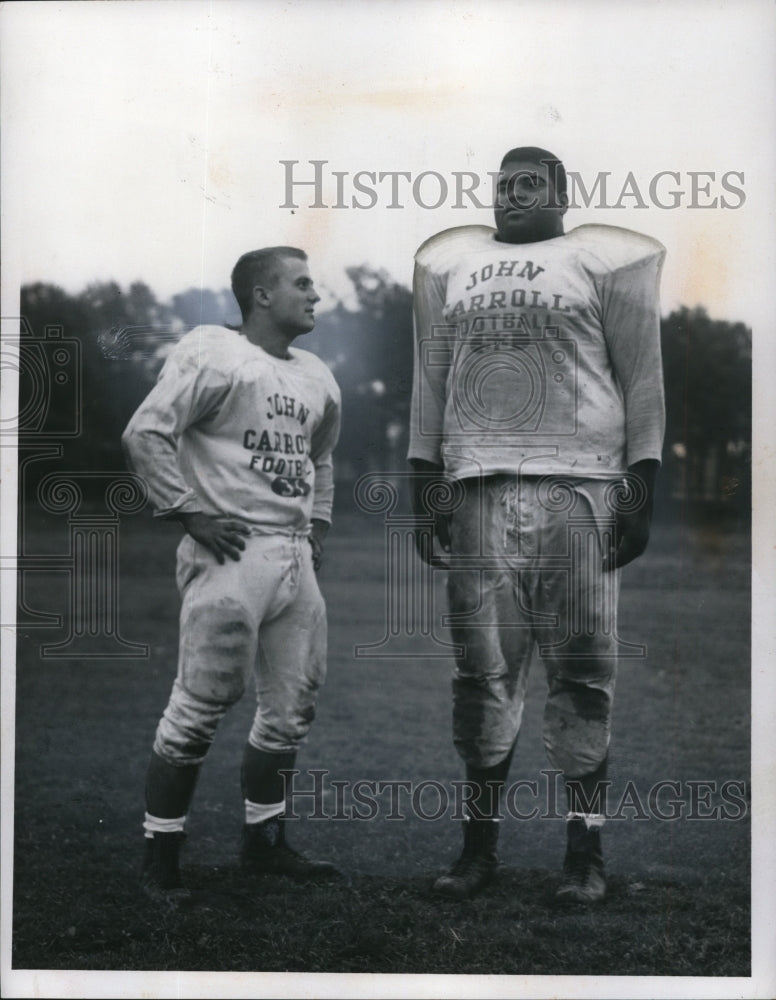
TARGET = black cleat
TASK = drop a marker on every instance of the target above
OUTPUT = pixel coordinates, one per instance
(160, 878)
(584, 880)
(264, 851)
(477, 864)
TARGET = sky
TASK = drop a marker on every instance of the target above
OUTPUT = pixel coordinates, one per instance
(144, 140)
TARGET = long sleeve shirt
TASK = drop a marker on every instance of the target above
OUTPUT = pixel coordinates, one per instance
(230, 429)
(539, 358)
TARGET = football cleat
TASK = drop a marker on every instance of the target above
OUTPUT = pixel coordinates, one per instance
(264, 851)
(160, 878)
(584, 880)
(477, 864)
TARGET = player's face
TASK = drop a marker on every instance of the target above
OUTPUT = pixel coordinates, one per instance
(527, 209)
(292, 299)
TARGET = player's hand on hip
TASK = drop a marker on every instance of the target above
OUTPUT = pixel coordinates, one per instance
(223, 536)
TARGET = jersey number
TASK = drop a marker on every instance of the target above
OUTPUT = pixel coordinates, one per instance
(286, 487)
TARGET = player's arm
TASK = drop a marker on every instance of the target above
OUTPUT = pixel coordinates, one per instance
(324, 441)
(184, 393)
(631, 312)
(429, 392)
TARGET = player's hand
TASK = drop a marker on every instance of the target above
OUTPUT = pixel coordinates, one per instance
(318, 531)
(426, 474)
(630, 538)
(424, 542)
(223, 536)
(632, 526)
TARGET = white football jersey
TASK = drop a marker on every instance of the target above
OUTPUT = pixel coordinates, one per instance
(229, 429)
(539, 358)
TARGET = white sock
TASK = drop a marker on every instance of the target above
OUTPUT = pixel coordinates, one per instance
(259, 812)
(593, 821)
(154, 824)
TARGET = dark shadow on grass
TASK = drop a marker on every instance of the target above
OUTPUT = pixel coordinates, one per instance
(390, 925)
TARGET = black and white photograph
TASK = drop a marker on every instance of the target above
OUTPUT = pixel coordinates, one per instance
(387, 550)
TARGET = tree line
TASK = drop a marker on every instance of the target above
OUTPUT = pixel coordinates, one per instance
(118, 338)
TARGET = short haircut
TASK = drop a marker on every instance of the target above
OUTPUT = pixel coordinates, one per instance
(534, 154)
(259, 267)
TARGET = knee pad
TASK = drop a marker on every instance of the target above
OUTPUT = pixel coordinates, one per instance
(575, 745)
(281, 730)
(188, 727)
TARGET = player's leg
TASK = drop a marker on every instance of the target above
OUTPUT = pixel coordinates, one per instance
(478, 861)
(291, 667)
(168, 793)
(218, 636)
(490, 677)
(580, 656)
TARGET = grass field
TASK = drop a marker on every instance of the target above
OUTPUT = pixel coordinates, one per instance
(679, 890)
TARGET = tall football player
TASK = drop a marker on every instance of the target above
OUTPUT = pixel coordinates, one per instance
(537, 390)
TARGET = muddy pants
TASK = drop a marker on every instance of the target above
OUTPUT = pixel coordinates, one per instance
(262, 616)
(527, 558)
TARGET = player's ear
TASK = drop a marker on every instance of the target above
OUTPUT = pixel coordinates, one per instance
(260, 296)
(563, 201)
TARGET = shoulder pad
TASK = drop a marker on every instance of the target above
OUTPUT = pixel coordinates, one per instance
(615, 247)
(317, 367)
(452, 242)
(216, 346)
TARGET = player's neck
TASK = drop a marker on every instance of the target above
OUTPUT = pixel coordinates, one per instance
(532, 236)
(269, 339)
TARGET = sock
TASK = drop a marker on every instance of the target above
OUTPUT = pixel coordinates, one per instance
(593, 821)
(488, 782)
(587, 794)
(260, 812)
(260, 774)
(169, 788)
(155, 824)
